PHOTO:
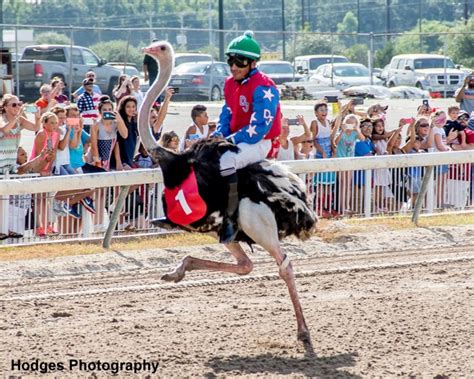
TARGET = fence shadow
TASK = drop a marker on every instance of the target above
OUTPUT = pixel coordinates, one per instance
(310, 365)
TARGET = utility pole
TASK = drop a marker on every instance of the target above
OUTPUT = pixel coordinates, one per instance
(1, 22)
(283, 29)
(466, 11)
(387, 8)
(209, 9)
(358, 16)
(419, 26)
(221, 30)
(302, 15)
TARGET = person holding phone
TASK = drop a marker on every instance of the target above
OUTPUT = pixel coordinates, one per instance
(289, 146)
(123, 88)
(104, 135)
(158, 113)
(86, 104)
(465, 94)
(12, 122)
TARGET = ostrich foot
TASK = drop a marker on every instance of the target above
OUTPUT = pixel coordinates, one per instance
(177, 274)
(303, 335)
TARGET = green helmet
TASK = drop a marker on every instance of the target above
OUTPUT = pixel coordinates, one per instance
(244, 45)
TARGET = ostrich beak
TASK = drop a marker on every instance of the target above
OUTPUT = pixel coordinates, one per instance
(146, 50)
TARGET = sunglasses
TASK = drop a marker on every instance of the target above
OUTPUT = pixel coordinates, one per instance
(14, 105)
(424, 125)
(366, 125)
(463, 118)
(240, 62)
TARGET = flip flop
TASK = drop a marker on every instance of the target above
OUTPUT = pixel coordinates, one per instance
(14, 235)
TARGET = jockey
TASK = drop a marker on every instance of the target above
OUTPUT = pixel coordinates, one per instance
(250, 118)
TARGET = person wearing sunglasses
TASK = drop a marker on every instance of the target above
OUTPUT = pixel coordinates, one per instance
(250, 118)
(13, 121)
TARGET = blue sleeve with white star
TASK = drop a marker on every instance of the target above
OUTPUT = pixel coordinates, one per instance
(223, 125)
(265, 104)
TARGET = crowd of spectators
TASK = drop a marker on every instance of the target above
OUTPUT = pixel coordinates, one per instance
(97, 134)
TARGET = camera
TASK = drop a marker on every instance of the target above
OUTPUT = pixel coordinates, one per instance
(426, 102)
(175, 89)
(357, 100)
(331, 99)
(108, 115)
(293, 121)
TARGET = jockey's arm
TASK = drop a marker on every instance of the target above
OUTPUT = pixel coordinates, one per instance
(223, 125)
(265, 104)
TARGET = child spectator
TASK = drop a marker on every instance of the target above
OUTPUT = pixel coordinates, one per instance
(62, 165)
(199, 128)
(440, 144)
(382, 177)
(170, 140)
(321, 131)
(363, 148)
(423, 130)
(143, 159)
(57, 85)
(345, 143)
(136, 90)
(158, 113)
(288, 146)
(47, 99)
(127, 110)
(123, 88)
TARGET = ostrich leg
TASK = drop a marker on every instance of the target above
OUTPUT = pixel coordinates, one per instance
(258, 222)
(243, 267)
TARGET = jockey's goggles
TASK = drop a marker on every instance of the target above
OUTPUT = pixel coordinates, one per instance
(239, 60)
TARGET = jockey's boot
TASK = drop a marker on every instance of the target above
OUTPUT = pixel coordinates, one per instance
(229, 225)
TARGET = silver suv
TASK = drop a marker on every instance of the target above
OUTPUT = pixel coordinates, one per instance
(431, 72)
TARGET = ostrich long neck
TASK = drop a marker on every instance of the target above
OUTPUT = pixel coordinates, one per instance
(165, 66)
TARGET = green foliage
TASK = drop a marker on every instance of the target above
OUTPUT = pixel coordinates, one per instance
(410, 43)
(116, 51)
(52, 38)
(306, 44)
(461, 47)
(358, 53)
(348, 25)
(383, 56)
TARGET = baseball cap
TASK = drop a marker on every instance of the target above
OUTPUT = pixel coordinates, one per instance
(87, 81)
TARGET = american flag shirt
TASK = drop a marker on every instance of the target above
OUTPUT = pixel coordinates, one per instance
(87, 107)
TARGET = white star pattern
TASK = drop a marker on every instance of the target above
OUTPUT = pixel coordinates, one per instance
(253, 118)
(268, 94)
(267, 115)
(251, 130)
(230, 110)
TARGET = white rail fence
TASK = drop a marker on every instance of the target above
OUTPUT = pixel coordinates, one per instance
(343, 187)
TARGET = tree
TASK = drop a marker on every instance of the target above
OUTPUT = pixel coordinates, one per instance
(116, 51)
(348, 25)
(52, 38)
(409, 42)
(384, 56)
(461, 48)
(358, 53)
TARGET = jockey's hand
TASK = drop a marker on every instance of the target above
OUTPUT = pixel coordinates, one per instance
(216, 134)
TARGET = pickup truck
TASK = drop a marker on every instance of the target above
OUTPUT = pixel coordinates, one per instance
(40, 63)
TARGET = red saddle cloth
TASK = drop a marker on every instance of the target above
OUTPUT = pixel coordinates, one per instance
(184, 205)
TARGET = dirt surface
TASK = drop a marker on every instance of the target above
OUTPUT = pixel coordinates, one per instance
(384, 304)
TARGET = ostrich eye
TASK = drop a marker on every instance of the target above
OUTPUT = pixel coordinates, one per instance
(163, 48)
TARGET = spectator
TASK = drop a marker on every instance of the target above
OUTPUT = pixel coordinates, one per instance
(423, 130)
(465, 94)
(13, 121)
(158, 113)
(136, 90)
(143, 159)
(47, 99)
(123, 88)
(104, 135)
(440, 144)
(57, 85)
(127, 109)
(453, 113)
(455, 132)
(321, 131)
(414, 174)
(382, 177)
(95, 88)
(288, 146)
(150, 68)
(199, 129)
(345, 148)
(86, 105)
(62, 165)
(170, 140)
(424, 110)
(377, 111)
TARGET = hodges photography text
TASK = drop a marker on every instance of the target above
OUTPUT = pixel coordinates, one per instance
(80, 365)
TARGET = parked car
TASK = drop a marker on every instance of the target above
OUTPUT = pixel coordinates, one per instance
(343, 75)
(40, 63)
(129, 69)
(308, 64)
(181, 58)
(199, 80)
(279, 71)
(432, 72)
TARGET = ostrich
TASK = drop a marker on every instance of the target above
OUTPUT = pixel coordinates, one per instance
(272, 200)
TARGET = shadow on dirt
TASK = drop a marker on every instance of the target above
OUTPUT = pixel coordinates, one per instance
(310, 365)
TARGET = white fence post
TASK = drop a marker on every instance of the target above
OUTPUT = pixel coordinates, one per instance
(430, 193)
(367, 193)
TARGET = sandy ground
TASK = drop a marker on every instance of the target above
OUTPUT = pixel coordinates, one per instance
(379, 304)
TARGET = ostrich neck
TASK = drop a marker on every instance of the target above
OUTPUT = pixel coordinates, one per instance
(165, 66)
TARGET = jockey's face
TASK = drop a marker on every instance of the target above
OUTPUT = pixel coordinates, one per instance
(240, 67)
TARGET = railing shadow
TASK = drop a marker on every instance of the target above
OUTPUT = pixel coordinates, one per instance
(310, 365)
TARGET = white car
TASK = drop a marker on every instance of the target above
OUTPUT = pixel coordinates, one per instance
(343, 75)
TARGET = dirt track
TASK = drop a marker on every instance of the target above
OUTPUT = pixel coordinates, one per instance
(379, 313)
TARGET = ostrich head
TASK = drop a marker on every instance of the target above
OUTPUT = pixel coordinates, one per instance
(163, 53)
